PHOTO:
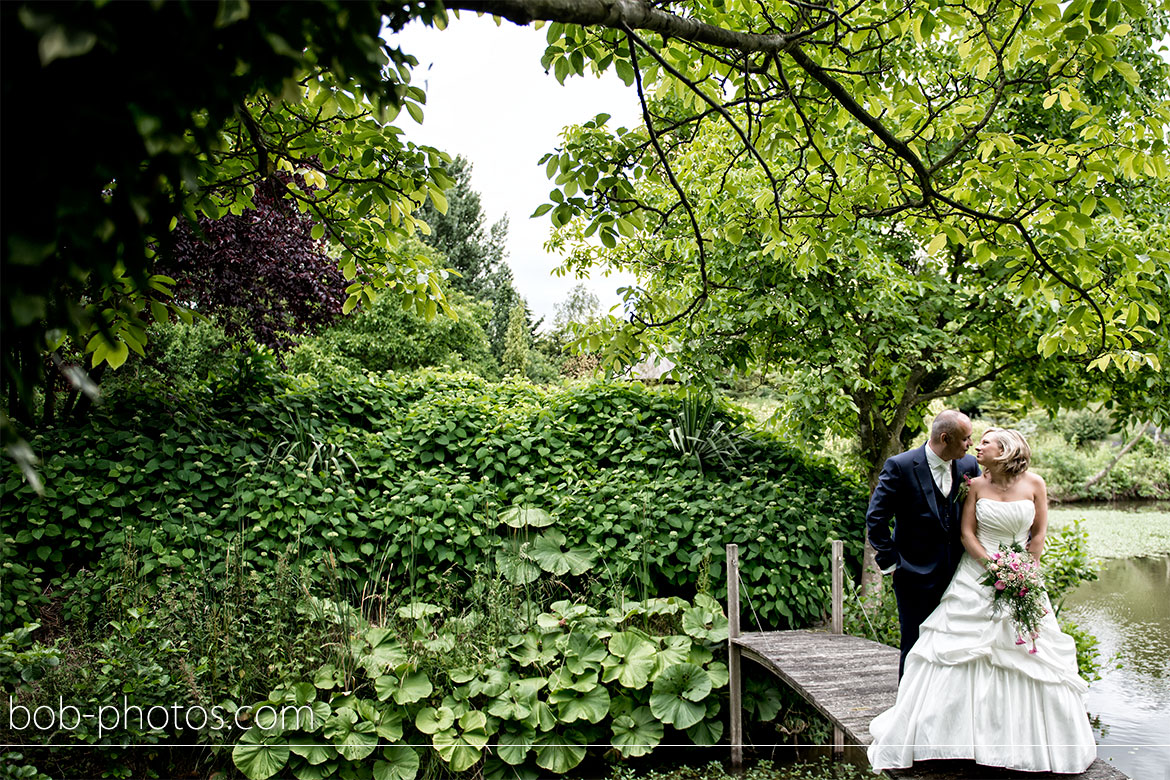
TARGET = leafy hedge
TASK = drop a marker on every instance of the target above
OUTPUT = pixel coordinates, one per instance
(417, 475)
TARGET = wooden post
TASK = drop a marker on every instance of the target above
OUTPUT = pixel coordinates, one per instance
(735, 681)
(838, 586)
(838, 556)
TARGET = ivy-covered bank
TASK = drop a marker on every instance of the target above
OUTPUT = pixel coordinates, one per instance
(415, 478)
(452, 575)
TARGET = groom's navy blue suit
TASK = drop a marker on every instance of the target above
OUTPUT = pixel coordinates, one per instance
(925, 542)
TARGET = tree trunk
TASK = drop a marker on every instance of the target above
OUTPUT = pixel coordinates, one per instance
(1100, 475)
(881, 440)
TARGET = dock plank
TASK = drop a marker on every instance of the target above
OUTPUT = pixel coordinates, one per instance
(850, 680)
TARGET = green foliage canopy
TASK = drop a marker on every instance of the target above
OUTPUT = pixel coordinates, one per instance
(892, 201)
(182, 108)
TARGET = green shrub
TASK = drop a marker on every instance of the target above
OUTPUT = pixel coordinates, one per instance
(14, 767)
(1085, 427)
(1067, 562)
(419, 470)
(386, 337)
(434, 690)
(873, 617)
(1088, 650)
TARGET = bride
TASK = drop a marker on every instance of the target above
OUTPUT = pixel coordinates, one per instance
(971, 689)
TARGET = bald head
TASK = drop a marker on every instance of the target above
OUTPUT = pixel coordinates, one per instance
(950, 434)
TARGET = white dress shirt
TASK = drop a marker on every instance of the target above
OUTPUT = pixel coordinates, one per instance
(939, 469)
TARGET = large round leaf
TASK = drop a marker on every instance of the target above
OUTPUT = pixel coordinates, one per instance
(632, 660)
(677, 695)
(674, 651)
(704, 623)
(572, 705)
(462, 747)
(706, 732)
(311, 749)
(494, 769)
(718, 673)
(512, 746)
(636, 733)
(550, 552)
(401, 763)
(516, 703)
(358, 743)
(526, 517)
(558, 753)
(418, 609)
(585, 652)
(305, 771)
(514, 562)
(430, 720)
(256, 758)
(405, 688)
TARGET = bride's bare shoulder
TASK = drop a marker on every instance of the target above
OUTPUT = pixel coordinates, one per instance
(1035, 482)
(979, 484)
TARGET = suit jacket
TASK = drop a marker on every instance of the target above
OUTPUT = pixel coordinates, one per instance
(925, 542)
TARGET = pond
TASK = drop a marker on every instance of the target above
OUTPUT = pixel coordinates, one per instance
(1128, 610)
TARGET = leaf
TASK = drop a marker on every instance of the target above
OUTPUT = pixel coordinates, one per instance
(514, 562)
(592, 706)
(513, 746)
(586, 652)
(705, 623)
(405, 689)
(462, 748)
(117, 354)
(401, 763)
(674, 650)
(526, 517)
(383, 657)
(632, 661)
(636, 733)
(677, 695)
(936, 244)
(706, 732)
(310, 749)
(353, 737)
(257, 758)
(558, 753)
(431, 720)
(549, 552)
(516, 703)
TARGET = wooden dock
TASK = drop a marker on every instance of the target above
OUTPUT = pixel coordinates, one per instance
(849, 680)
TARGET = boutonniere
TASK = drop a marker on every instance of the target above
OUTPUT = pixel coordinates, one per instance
(964, 489)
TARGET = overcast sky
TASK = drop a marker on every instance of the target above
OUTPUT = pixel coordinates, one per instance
(489, 100)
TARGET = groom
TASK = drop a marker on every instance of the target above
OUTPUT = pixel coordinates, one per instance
(919, 491)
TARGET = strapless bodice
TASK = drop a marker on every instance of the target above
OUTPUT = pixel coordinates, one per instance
(1003, 522)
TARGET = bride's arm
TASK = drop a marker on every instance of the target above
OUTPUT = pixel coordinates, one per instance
(967, 526)
(1040, 522)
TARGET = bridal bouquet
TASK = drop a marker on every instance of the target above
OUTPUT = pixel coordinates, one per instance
(1014, 576)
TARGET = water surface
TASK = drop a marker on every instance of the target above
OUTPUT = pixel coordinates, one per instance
(1128, 610)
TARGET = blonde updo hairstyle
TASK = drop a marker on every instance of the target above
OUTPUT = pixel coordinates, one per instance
(1015, 454)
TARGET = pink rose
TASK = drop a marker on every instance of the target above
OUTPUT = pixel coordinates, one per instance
(1000, 585)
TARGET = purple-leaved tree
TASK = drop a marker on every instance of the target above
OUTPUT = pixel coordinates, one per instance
(260, 273)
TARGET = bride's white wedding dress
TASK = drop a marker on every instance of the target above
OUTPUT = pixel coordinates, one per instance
(969, 691)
